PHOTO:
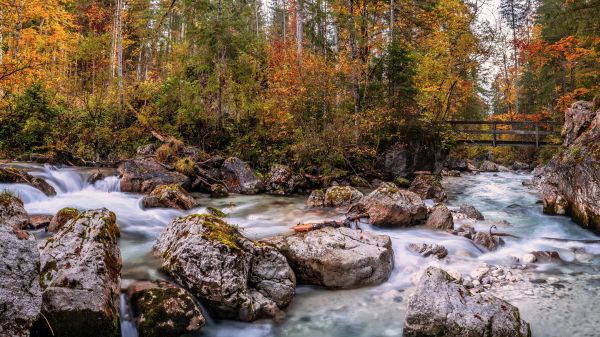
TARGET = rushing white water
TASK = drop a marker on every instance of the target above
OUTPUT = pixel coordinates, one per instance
(558, 301)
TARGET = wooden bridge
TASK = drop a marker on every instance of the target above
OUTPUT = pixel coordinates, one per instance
(512, 133)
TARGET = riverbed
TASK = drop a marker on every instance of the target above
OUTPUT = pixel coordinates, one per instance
(557, 299)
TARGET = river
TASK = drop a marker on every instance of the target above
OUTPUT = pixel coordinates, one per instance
(558, 299)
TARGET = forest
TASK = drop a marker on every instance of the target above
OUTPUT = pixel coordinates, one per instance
(308, 83)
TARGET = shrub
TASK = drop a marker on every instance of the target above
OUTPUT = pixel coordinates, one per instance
(186, 166)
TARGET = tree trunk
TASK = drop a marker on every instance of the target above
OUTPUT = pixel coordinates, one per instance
(18, 28)
(299, 28)
(516, 55)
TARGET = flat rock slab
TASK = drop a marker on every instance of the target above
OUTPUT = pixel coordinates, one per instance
(337, 257)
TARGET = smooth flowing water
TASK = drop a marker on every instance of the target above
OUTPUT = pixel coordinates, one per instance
(558, 299)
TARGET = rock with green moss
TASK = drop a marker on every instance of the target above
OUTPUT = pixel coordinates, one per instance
(162, 309)
(61, 218)
(20, 294)
(335, 196)
(169, 196)
(441, 306)
(18, 176)
(236, 277)
(239, 177)
(402, 182)
(428, 187)
(80, 277)
(144, 174)
(337, 257)
(358, 181)
(281, 180)
(390, 206)
(218, 191)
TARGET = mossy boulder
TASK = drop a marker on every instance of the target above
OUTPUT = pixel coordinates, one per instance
(218, 191)
(61, 218)
(402, 182)
(390, 206)
(428, 187)
(162, 309)
(236, 277)
(20, 293)
(80, 277)
(169, 196)
(335, 196)
(18, 176)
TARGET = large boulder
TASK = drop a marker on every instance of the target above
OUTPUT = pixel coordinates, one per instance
(144, 174)
(440, 306)
(20, 293)
(61, 218)
(17, 176)
(239, 177)
(440, 218)
(404, 159)
(281, 180)
(335, 196)
(389, 206)
(169, 196)
(428, 187)
(570, 182)
(162, 309)
(457, 163)
(12, 211)
(80, 277)
(337, 257)
(236, 277)
(488, 166)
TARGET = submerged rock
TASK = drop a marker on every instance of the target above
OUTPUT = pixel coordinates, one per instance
(237, 278)
(80, 275)
(426, 250)
(440, 218)
(162, 309)
(389, 206)
(428, 187)
(17, 176)
(541, 256)
(61, 218)
(471, 212)
(440, 306)
(239, 177)
(335, 196)
(337, 257)
(144, 174)
(170, 196)
(20, 293)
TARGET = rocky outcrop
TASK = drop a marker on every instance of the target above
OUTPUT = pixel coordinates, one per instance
(471, 212)
(239, 177)
(169, 196)
(335, 196)
(12, 211)
(144, 174)
(428, 187)
(337, 257)
(281, 180)
(570, 182)
(17, 176)
(426, 250)
(61, 218)
(162, 309)
(440, 306)
(404, 159)
(80, 277)
(218, 191)
(237, 278)
(20, 294)
(440, 218)
(389, 206)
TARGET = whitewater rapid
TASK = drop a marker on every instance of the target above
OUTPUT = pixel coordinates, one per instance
(557, 308)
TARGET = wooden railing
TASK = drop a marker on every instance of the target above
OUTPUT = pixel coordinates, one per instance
(531, 134)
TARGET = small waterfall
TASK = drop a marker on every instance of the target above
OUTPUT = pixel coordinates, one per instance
(128, 328)
(64, 180)
(108, 184)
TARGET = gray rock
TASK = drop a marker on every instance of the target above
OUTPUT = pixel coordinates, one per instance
(20, 293)
(237, 278)
(427, 250)
(337, 257)
(143, 175)
(440, 218)
(335, 196)
(441, 307)
(457, 163)
(488, 240)
(428, 187)
(281, 180)
(488, 166)
(541, 256)
(164, 310)
(471, 212)
(80, 275)
(389, 206)
(218, 191)
(520, 166)
(94, 177)
(404, 159)
(61, 218)
(12, 212)
(18, 176)
(239, 177)
(169, 196)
